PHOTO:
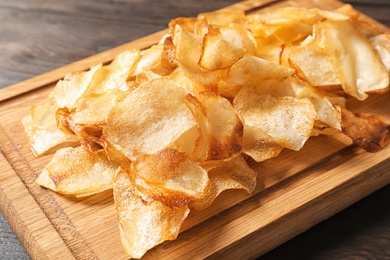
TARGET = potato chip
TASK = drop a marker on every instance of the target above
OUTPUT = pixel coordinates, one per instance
(323, 102)
(75, 170)
(41, 128)
(234, 174)
(358, 66)
(144, 225)
(220, 127)
(314, 65)
(366, 130)
(288, 120)
(188, 61)
(260, 75)
(150, 118)
(381, 43)
(73, 86)
(114, 76)
(94, 108)
(224, 46)
(259, 145)
(169, 176)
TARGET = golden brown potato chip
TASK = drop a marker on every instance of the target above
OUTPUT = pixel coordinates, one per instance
(288, 120)
(223, 46)
(73, 86)
(324, 103)
(234, 174)
(150, 118)
(94, 108)
(314, 65)
(188, 61)
(381, 43)
(366, 130)
(221, 18)
(258, 145)
(269, 48)
(144, 225)
(358, 66)
(169, 176)
(220, 127)
(43, 133)
(115, 75)
(260, 75)
(75, 170)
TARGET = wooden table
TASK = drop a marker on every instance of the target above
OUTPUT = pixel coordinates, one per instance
(41, 35)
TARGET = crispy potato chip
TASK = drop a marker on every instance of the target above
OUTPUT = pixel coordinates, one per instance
(262, 75)
(288, 120)
(150, 118)
(221, 18)
(381, 43)
(187, 24)
(314, 65)
(75, 170)
(258, 145)
(94, 108)
(234, 174)
(191, 86)
(188, 61)
(365, 27)
(324, 103)
(169, 176)
(269, 48)
(366, 130)
(220, 127)
(115, 75)
(358, 66)
(144, 225)
(73, 86)
(43, 133)
(223, 46)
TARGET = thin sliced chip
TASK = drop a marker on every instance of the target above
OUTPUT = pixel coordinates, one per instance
(360, 70)
(43, 133)
(75, 170)
(188, 61)
(115, 75)
(262, 75)
(324, 103)
(314, 65)
(258, 145)
(288, 120)
(366, 130)
(221, 18)
(234, 174)
(73, 86)
(150, 118)
(381, 44)
(144, 225)
(94, 108)
(220, 127)
(269, 48)
(169, 176)
(223, 46)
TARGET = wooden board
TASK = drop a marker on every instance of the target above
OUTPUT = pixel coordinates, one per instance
(295, 191)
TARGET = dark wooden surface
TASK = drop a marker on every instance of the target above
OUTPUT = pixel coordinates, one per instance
(37, 36)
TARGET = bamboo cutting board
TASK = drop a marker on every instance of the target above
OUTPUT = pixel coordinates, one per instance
(295, 191)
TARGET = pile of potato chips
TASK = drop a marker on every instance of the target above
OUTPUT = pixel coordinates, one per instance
(170, 127)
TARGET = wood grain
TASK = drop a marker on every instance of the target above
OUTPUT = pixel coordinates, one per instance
(238, 225)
